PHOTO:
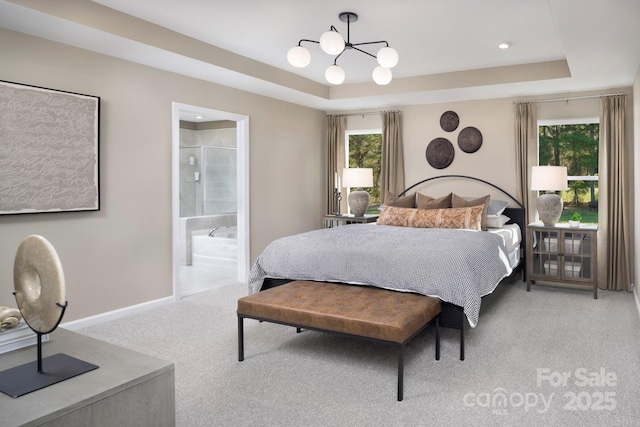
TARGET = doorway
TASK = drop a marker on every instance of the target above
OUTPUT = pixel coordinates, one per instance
(225, 223)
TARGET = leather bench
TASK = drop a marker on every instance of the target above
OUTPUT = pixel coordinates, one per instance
(365, 312)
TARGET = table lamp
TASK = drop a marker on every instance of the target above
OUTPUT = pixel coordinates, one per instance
(358, 178)
(550, 179)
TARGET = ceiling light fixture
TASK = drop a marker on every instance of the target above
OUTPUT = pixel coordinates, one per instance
(504, 45)
(333, 43)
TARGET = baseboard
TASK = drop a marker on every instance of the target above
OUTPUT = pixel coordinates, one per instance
(86, 322)
(637, 298)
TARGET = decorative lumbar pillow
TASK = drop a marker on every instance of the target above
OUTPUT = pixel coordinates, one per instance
(408, 201)
(400, 217)
(461, 202)
(468, 218)
(428, 202)
(497, 221)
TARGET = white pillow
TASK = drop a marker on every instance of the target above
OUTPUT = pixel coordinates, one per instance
(497, 221)
(496, 207)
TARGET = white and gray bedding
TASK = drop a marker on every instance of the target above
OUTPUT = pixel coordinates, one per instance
(512, 238)
(457, 266)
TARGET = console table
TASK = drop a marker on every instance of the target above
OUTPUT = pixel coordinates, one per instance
(562, 255)
(128, 388)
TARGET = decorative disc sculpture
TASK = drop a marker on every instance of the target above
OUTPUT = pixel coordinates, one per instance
(39, 284)
(40, 293)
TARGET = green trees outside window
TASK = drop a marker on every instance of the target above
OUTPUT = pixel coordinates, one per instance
(575, 146)
(365, 151)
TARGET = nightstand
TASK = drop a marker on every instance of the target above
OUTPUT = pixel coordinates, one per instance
(562, 255)
(331, 220)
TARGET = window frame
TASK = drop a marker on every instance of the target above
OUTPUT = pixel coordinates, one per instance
(347, 134)
(572, 121)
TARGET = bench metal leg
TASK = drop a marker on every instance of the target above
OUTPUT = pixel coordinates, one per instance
(400, 372)
(438, 337)
(240, 339)
(462, 340)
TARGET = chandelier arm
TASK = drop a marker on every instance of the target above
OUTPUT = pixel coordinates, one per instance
(381, 41)
(307, 40)
(363, 51)
(338, 56)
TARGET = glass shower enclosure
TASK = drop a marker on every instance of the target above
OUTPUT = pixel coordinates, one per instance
(207, 180)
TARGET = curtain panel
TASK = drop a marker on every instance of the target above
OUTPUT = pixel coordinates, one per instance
(614, 271)
(526, 138)
(335, 159)
(392, 167)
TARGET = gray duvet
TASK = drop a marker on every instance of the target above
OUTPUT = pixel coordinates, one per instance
(457, 266)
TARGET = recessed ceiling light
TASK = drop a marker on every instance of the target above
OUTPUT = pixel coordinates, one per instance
(199, 117)
(504, 45)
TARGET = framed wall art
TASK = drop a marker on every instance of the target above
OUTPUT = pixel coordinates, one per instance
(49, 150)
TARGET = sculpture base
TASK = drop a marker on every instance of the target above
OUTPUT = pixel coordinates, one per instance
(24, 379)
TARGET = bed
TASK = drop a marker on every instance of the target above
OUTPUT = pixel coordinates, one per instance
(459, 266)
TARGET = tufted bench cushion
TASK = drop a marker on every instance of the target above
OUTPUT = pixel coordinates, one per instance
(361, 311)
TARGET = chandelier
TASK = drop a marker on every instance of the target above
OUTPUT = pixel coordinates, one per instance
(333, 43)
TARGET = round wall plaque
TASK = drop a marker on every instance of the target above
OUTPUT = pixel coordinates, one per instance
(470, 140)
(449, 121)
(440, 153)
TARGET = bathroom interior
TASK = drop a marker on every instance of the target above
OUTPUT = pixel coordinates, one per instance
(208, 205)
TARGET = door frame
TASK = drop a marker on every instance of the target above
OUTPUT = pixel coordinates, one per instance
(242, 180)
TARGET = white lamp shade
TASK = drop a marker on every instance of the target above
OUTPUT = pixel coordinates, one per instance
(299, 56)
(332, 42)
(357, 177)
(387, 57)
(549, 178)
(334, 74)
(382, 75)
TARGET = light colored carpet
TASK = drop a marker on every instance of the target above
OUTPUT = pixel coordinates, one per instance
(317, 379)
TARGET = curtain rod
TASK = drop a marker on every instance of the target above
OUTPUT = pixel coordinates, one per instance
(567, 99)
(368, 113)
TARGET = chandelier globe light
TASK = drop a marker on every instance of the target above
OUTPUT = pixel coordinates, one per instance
(382, 75)
(334, 74)
(387, 57)
(333, 43)
(299, 56)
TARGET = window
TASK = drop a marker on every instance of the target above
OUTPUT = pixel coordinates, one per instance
(364, 150)
(574, 144)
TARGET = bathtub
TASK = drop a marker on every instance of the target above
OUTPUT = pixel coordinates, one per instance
(194, 223)
(219, 250)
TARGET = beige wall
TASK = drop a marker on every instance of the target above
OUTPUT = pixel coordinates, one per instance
(494, 118)
(122, 255)
(421, 124)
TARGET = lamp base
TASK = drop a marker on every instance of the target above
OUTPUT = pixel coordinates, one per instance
(358, 202)
(549, 208)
